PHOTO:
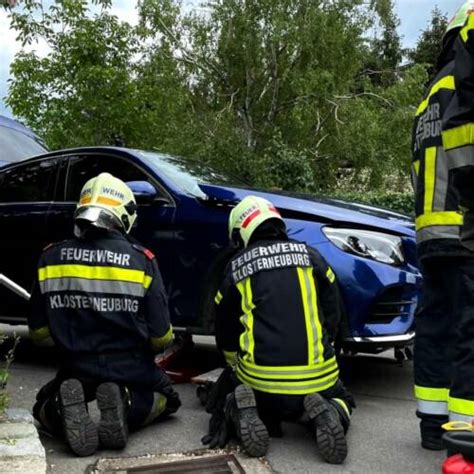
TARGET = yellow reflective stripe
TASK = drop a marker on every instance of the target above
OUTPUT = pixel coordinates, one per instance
(289, 372)
(85, 200)
(230, 357)
(307, 316)
(291, 368)
(94, 273)
(416, 167)
(159, 405)
(458, 136)
(430, 178)
(311, 316)
(431, 394)
(330, 275)
(343, 405)
(444, 83)
(291, 387)
(439, 218)
(41, 336)
(293, 383)
(108, 201)
(218, 297)
(247, 342)
(467, 28)
(40, 333)
(461, 406)
(315, 314)
(160, 342)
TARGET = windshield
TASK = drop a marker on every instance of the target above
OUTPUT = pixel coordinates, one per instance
(188, 174)
(16, 146)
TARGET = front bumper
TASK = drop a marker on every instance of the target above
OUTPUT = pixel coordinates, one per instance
(376, 344)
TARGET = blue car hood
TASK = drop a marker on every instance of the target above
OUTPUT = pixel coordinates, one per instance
(320, 209)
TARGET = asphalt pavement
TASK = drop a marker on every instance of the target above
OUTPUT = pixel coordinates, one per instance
(383, 437)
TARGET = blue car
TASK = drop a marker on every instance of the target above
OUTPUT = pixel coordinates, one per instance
(183, 210)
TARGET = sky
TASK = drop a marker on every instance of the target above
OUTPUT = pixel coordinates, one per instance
(414, 16)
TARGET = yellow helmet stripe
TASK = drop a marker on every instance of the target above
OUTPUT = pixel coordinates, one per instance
(108, 201)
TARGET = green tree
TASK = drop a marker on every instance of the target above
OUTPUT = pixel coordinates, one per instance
(384, 52)
(90, 88)
(264, 76)
(429, 44)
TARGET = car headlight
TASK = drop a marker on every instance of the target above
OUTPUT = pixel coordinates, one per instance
(377, 246)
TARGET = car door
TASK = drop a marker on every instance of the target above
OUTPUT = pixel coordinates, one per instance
(154, 227)
(26, 193)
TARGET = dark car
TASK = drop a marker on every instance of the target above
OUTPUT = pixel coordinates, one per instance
(183, 211)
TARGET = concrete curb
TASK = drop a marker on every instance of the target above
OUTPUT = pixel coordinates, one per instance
(21, 451)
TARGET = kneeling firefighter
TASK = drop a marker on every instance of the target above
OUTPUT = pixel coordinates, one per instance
(277, 314)
(100, 299)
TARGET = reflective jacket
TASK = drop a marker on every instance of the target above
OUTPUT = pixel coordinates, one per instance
(98, 296)
(458, 127)
(438, 218)
(277, 312)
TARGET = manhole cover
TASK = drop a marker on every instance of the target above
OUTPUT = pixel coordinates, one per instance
(223, 464)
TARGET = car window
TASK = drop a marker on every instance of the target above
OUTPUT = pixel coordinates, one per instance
(188, 174)
(16, 146)
(32, 182)
(82, 168)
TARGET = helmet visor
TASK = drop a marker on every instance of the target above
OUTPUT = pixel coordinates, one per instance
(98, 217)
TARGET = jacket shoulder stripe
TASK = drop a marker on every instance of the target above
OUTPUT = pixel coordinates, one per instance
(446, 82)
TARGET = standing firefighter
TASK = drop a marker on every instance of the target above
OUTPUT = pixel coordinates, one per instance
(444, 353)
(277, 314)
(101, 300)
(458, 141)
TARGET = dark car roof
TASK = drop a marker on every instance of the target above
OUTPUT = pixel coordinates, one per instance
(17, 142)
(11, 123)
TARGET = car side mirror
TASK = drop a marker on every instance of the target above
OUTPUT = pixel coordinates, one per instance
(144, 192)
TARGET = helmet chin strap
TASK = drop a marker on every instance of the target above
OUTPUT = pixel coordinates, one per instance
(236, 240)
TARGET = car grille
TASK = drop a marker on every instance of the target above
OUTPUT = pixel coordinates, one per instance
(393, 302)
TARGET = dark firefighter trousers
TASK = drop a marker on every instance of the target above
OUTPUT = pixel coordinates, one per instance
(444, 342)
(146, 387)
(273, 408)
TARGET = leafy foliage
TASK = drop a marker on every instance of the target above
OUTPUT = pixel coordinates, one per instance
(430, 41)
(4, 372)
(298, 94)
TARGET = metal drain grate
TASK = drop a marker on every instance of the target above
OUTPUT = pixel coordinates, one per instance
(223, 464)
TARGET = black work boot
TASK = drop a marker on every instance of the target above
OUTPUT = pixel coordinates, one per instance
(330, 437)
(79, 429)
(250, 430)
(113, 429)
(432, 434)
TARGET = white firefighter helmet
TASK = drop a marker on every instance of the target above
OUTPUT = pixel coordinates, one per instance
(461, 16)
(107, 202)
(248, 215)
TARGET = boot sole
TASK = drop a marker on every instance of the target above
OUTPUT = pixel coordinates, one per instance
(113, 430)
(79, 429)
(330, 437)
(253, 433)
